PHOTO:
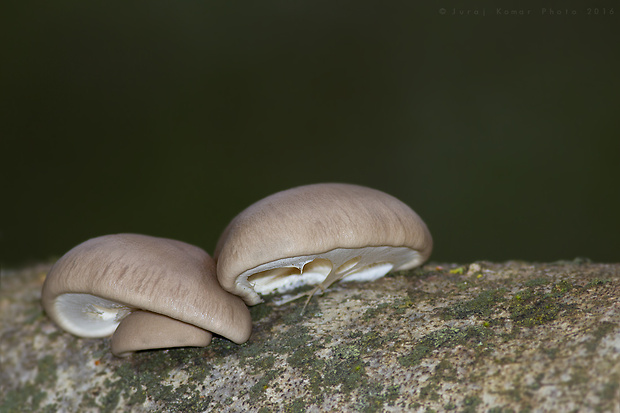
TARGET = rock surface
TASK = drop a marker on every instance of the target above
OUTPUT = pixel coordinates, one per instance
(488, 337)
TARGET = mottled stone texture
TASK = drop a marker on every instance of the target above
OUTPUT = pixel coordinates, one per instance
(511, 337)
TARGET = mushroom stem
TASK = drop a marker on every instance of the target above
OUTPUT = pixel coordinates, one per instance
(329, 280)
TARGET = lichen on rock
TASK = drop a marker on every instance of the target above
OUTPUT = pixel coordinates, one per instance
(485, 337)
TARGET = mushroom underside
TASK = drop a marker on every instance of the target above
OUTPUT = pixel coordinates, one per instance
(86, 315)
(89, 316)
(345, 264)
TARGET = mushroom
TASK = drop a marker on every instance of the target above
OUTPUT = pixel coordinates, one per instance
(317, 235)
(148, 292)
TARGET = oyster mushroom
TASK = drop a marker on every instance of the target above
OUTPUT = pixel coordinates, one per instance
(148, 292)
(317, 235)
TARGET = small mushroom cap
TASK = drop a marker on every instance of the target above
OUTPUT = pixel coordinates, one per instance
(143, 330)
(93, 286)
(295, 227)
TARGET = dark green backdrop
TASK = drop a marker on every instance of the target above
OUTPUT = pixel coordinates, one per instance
(168, 118)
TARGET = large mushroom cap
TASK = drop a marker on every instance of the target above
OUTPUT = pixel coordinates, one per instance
(317, 233)
(99, 282)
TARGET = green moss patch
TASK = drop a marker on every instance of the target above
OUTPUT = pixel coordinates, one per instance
(609, 395)
(483, 305)
(141, 378)
(470, 403)
(530, 308)
(535, 305)
(600, 332)
(28, 398)
(372, 340)
(373, 312)
(328, 369)
(447, 337)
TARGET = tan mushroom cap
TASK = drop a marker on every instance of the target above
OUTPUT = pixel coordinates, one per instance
(349, 223)
(99, 282)
(142, 330)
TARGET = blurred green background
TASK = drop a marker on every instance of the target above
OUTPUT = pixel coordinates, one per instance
(169, 118)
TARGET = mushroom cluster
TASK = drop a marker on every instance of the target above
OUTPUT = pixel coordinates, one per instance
(150, 292)
(146, 292)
